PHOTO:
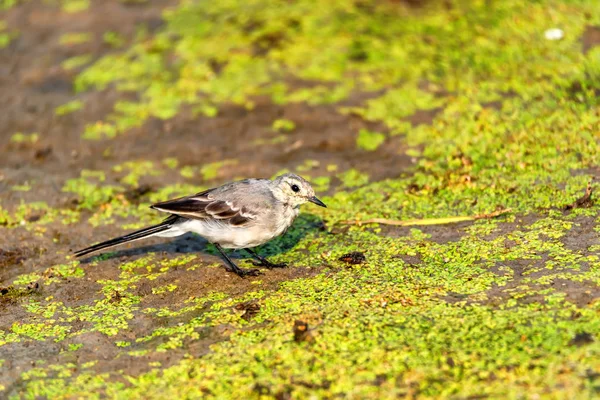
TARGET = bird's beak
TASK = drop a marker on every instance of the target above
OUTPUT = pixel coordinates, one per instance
(317, 201)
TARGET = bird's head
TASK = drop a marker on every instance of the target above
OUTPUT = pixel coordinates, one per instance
(294, 190)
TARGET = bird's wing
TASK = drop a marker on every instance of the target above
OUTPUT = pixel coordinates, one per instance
(210, 205)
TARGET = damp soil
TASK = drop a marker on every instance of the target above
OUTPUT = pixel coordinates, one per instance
(33, 84)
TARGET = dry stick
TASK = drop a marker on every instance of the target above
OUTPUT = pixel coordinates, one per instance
(429, 221)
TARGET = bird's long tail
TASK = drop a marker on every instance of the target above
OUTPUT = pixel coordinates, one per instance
(164, 226)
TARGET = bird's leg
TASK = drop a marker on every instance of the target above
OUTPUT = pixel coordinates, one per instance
(231, 267)
(263, 262)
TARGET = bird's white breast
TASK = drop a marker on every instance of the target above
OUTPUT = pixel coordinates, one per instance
(259, 232)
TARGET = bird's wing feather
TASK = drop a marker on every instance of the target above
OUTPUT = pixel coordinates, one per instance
(206, 206)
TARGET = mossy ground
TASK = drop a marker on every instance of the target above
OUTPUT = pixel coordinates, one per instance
(395, 110)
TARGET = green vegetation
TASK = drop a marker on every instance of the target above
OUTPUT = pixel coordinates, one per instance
(368, 140)
(6, 4)
(353, 178)
(24, 138)
(76, 62)
(74, 6)
(5, 37)
(136, 170)
(493, 116)
(51, 275)
(75, 38)
(283, 125)
(210, 171)
(68, 108)
(113, 39)
(394, 309)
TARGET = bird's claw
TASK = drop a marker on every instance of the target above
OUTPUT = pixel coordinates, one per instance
(249, 272)
(269, 265)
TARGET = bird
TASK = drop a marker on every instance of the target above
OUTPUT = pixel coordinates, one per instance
(238, 215)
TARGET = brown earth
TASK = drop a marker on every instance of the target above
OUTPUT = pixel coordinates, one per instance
(33, 84)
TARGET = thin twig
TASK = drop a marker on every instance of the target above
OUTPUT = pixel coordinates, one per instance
(426, 221)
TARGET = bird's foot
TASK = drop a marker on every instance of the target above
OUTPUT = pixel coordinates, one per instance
(263, 262)
(242, 272)
(268, 264)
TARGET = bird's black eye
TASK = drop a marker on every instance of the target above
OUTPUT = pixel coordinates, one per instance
(295, 188)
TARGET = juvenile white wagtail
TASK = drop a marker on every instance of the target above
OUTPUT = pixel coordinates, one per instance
(238, 215)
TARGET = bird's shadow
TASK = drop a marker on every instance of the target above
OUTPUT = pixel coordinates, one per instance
(193, 243)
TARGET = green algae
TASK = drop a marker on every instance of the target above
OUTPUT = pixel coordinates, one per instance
(307, 165)
(171, 162)
(52, 274)
(164, 289)
(135, 170)
(514, 125)
(391, 309)
(211, 171)
(74, 6)
(271, 141)
(368, 140)
(36, 214)
(91, 194)
(6, 37)
(25, 138)
(76, 62)
(75, 38)
(41, 331)
(108, 315)
(26, 187)
(109, 201)
(506, 159)
(75, 346)
(113, 39)
(508, 55)
(6, 4)
(283, 125)
(321, 183)
(353, 178)
(68, 108)
(395, 105)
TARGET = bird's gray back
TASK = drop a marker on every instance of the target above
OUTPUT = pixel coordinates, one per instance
(254, 195)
